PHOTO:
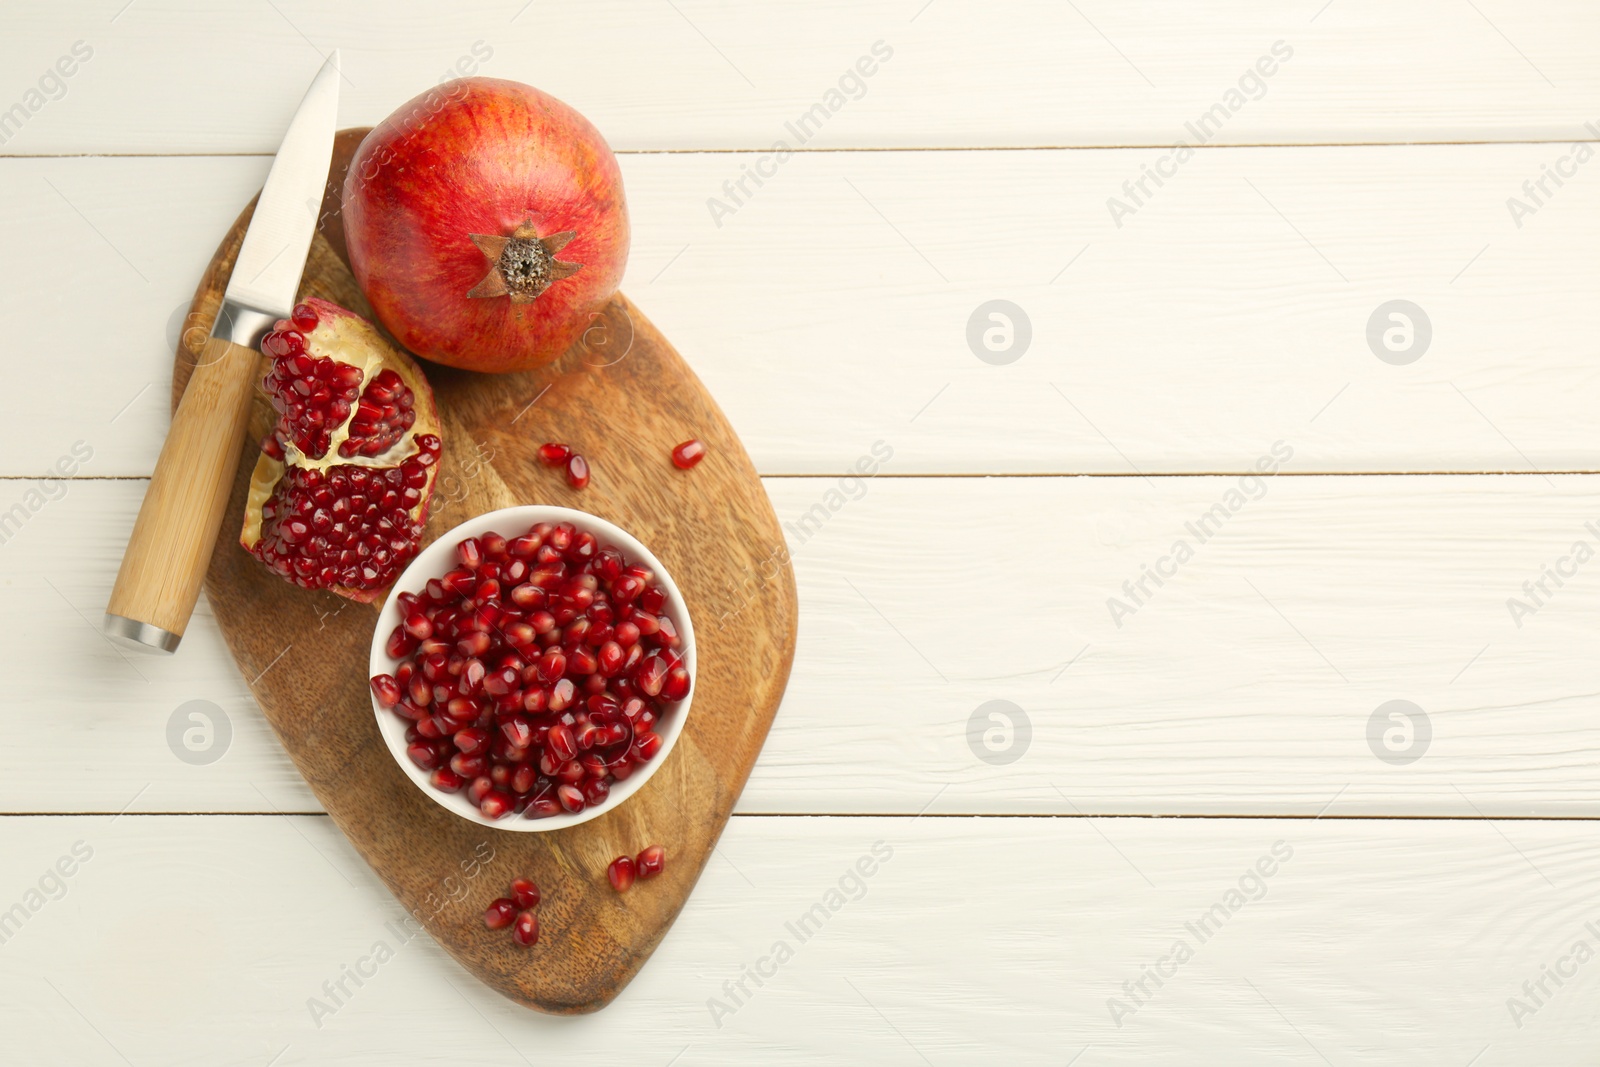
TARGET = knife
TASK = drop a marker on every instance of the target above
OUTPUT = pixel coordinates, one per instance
(173, 537)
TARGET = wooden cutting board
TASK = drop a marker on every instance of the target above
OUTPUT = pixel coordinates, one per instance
(623, 397)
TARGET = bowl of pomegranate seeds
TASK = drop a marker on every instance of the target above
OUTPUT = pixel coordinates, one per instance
(532, 668)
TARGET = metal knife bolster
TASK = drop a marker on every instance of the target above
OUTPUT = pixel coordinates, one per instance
(242, 324)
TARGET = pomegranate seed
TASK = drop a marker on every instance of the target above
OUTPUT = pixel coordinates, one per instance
(553, 454)
(304, 317)
(386, 689)
(621, 873)
(471, 740)
(688, 454)
(423, 755)
(645, 748)
(499, 914)
(469, 766)
(561, 742)
(526, 930)
(525, 893)
(517, 732)
(651, 675)
(595, 791)
(571, 797)
(676, 686)
(577, 472)
(401, 644)
(470, 553)
(651, 861)
(494, 804)
(543, 808)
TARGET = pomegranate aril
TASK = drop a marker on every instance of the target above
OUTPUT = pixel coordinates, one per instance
(652, 599)
(651, 675)
(517, 732)
(571, 797)
(386, 689)
(561, 742)
(651, 861)
(479, 788)
(423, 754)
(447, 781)
(562, 694)
(577, 472)
(401, 644)
(525, 893)
(553, 454)
(304, 317)
(543, 808)
(646, 746)
(525, 930)
(688, 454)
(471, 740)
(500, 913)
(469, 766)
(495, 804)
(666, 635)
(676, 686)
(621, 873)
(595, 791)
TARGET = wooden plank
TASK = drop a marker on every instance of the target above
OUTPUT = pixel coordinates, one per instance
(717, 74)
(1244, 685)
(974, 939)
(1189, 340)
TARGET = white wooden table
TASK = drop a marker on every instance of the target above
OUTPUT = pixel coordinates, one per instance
(1208, 837)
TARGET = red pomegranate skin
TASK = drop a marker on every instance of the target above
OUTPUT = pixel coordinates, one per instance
(484, 156)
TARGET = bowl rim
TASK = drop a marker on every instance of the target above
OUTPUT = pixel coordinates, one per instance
(430, 563)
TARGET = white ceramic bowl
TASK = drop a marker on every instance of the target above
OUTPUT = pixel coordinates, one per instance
(438, 558)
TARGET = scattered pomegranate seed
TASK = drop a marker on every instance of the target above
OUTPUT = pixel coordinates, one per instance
(651, 861)
(621, 873)
(526, 930)
(525, 893)
(498, 916)
(577, 472)
(688, 454)
(553, 454)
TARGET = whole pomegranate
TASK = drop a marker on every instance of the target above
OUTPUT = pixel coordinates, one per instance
(340, 491)
(486, 225)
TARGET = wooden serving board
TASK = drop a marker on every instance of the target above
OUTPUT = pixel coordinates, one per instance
(623, 397)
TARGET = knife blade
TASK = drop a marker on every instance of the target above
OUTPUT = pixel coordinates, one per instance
(176, 530)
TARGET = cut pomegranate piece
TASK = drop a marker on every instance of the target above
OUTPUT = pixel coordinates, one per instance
(340, 492)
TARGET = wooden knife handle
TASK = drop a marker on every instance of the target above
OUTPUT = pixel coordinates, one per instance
(182, 512)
